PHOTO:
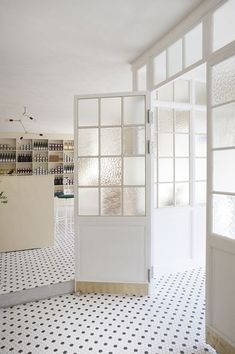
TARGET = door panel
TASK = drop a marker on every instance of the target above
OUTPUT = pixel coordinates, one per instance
(113, 183)
(220, 271)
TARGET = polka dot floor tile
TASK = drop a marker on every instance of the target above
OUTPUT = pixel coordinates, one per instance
(171, 320)
(28, 269)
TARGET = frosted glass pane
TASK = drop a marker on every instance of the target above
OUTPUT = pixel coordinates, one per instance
(165, 93)
(224, 25)
(88, 201)
(181, 145)
(181, 170)
(224, 215)
(110, 171)
(224, 125)
(110, 141)
(165, 170)
(223, 81)
(200, 122)
(141, 78)
(200, 145)
(88, 112)
(134, 141)
(181, 91)
(110, 111)
(182, 121)
(159, 65)
(175, 58)
(193, 45)
(165, 145)
(134, 171)
(224, 171)
(182, 194)
(200, 169)
(165, 195)
(134, 201)
(200, 192)
(88, 142)
(165, 120)
(88, 174)
(111, 201)
(134, 110)
(200, 93)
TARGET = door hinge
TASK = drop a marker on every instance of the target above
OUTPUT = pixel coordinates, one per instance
(150, 274)
(149, 116)
(149, 147)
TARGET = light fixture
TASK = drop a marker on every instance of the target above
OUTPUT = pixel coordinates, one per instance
(25, 115)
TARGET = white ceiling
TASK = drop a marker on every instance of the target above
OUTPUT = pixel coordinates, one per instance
(51, 50)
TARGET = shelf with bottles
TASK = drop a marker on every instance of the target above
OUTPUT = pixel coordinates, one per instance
(68, 145)
(40, 145)
(68, 157)
(57, 169)
(41, 157)
(7, 171)
(69, 169)
(7, 145)
(40, 170)
(24, 157)
(24, 145)
(55, 145)
(56, 156)
(24, 171)
(7, 157)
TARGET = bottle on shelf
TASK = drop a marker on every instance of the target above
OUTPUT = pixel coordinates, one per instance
(24, 158)
(7, 157)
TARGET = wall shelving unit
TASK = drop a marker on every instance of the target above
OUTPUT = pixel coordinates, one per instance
(39, 157)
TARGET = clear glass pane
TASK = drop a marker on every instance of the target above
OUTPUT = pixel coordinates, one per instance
(200, 145)
(224, 25)
(200, 122)
(181, 145)
(134, 171)
(110, 111)
(224, 171)
(159, 64)
(111, 201)
(165, 120)
(182, 194)
(181, 170)
(165, 170)
(165, 93)
(200, 192)
(133, 140)
(88, 142)
(165, 195)
(134, 110)
(141, 78)
(88, 171)
(165, 145)
(193, 53)
(224, 215)
(175, 58)
(223, 81)
(200, 169)
(88, 112)
(181, 91)
(110, 171)
(200, 93)
(110, 141)
(224, 125)
(182, 121)
(134, 201)
(88, 201)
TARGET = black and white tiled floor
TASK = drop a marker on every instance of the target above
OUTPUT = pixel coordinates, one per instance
(171, 320)
(29, 269)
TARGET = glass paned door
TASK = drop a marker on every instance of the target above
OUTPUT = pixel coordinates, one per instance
(221, 196)
(113, 188)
